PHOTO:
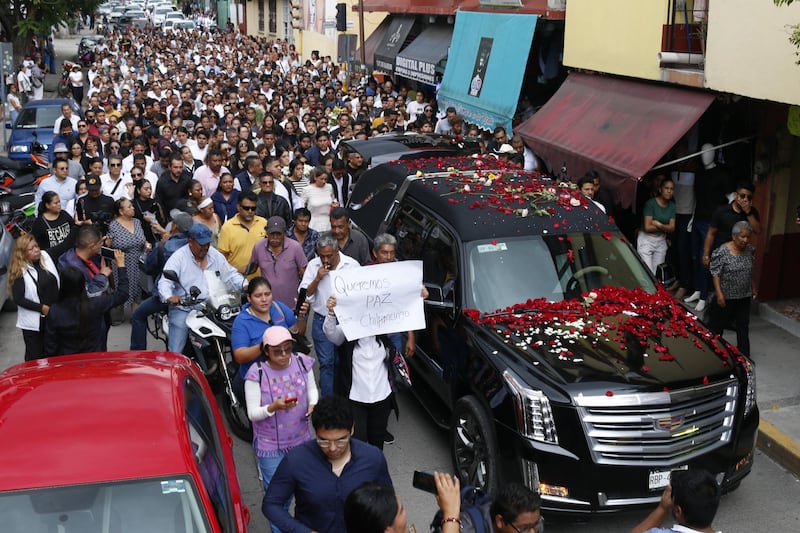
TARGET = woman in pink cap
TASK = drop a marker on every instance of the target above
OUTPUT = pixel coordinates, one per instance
(280, 393)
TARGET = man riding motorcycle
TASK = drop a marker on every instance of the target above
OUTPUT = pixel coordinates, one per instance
(192, 263)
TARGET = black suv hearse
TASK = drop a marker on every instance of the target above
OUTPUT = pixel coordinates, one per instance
(550, 353)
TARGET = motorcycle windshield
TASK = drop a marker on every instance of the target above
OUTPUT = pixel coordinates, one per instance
(221, 291)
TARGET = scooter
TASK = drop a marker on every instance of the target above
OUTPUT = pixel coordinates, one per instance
(210, 326)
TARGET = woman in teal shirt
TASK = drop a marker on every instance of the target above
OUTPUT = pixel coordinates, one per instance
(658, 221)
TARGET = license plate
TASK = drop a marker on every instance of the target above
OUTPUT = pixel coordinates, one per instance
(658, 479)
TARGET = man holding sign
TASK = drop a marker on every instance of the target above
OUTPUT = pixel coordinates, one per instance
(369, 306)
(318, 285)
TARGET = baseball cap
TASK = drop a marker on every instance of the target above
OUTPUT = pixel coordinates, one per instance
(183, 221)
(275, 336)
(276, 225)
(200, 233)
(60, 148)
(93, 183)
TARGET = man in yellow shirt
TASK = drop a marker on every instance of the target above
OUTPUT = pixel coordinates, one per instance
(239, 234)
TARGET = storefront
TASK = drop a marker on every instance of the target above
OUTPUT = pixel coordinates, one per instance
(422, 60)
(483, 80)
(617, 127)
(394, 40)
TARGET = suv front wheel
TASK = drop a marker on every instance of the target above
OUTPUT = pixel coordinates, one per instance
(474, 445)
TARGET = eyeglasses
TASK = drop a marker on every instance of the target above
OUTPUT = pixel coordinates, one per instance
(339, 443)
(248, 207)
(536, 527)
(115, 164)
(267, 183)
(280, 350)
(743, 196)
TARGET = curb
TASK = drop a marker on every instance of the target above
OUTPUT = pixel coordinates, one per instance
(788, 324)
(779, 447)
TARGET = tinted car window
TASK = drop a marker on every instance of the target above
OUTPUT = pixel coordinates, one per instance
(206, 447)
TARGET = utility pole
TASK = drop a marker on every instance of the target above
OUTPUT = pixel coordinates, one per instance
(361, 32)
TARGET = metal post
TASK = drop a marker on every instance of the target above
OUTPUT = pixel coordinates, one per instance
(361, 32)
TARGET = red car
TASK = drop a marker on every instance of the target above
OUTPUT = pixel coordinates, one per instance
(115, 442)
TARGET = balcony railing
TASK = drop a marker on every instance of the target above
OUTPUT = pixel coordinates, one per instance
(683, 36)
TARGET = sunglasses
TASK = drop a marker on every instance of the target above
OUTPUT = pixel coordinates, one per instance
(81, 125)
(115, 164)
(248, 207)
(267, 183)
(138, 175)
(748, 196)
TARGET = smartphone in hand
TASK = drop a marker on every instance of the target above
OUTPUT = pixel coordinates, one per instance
(424, 481)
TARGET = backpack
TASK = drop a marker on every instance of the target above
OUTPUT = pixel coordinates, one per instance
(472, 501)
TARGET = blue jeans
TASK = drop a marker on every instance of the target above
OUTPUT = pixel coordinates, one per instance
(268, 466)
(326, 356)
(178, 330)
(148, 307)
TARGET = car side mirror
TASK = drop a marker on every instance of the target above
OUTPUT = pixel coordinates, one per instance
(437, 297)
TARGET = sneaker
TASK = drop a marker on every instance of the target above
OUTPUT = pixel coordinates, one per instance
(692, 297)
(701, 306)
(388, 438)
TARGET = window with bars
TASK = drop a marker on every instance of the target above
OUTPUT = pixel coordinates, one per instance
(261, 16)
(273, 16)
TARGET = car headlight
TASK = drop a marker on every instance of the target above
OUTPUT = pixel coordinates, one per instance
(534, 415)
(750, 395)
(19, 149)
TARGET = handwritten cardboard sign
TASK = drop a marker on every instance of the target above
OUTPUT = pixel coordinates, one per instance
(378, 299)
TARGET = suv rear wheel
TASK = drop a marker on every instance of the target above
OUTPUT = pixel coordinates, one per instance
(474, 445)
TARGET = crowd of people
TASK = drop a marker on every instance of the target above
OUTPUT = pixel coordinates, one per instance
(214, 151)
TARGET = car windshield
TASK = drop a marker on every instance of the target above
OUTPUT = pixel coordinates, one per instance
(504, 272)
(165, 505)
(38, 117)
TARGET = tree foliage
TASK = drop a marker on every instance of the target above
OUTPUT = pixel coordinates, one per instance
(794, 37)
(22, 19)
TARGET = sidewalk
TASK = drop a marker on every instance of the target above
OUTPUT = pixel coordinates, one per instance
(775, 338)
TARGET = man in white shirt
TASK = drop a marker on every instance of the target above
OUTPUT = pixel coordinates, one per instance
(137, 148)
(114, 183)
(415, 108)
(319, 287)
(66, 112)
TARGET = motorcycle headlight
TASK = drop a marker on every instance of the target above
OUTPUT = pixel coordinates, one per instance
(750, 394)
(19, 149)
(227, 312)
(534, 415)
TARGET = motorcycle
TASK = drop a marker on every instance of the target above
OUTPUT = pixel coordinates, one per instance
(64, 87)
(210, 322)
(25, 176)
(18, 219)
